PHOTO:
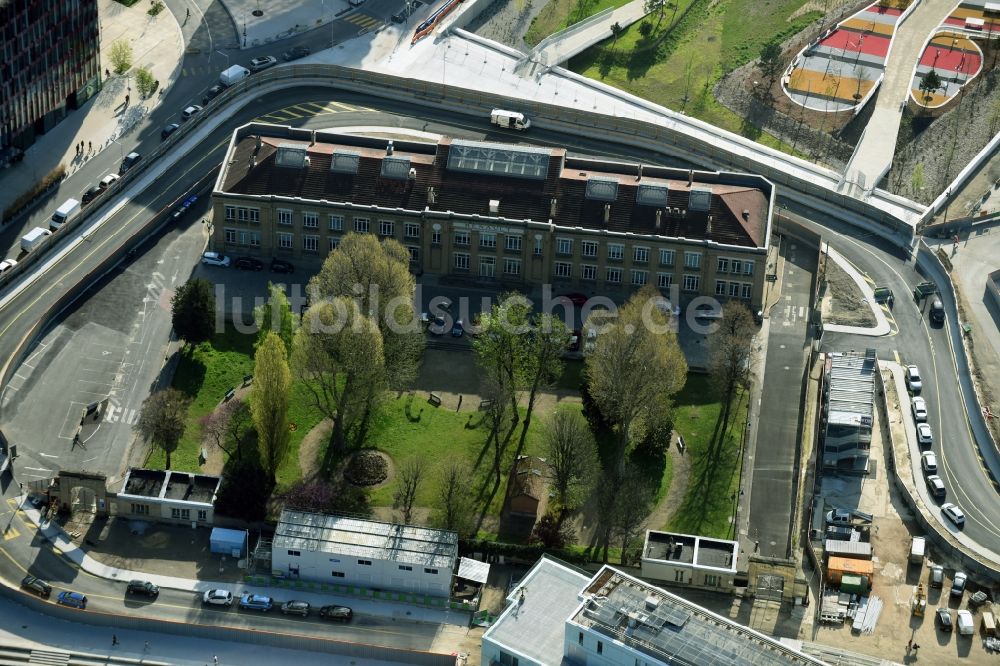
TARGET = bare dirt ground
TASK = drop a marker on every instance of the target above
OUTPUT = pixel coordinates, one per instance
(845, 303)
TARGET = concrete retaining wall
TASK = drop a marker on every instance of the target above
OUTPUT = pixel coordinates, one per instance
(992, 288)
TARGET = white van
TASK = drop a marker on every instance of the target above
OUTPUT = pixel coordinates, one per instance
(65, 213)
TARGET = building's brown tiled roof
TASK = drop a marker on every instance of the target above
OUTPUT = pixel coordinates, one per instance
(738, 212)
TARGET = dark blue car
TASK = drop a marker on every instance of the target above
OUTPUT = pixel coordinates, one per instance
(74, 599)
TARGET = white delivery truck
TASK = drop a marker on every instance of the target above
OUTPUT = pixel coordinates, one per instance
(34, 238)
(509, 119)
(234, 74)
(917, 547)
(65, 213)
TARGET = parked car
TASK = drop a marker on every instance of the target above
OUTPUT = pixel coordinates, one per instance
(953, 513)
(943, 617)
(936, 486)
(262, 63)
(336, 613)
(256, 602)
(214, 259)
(212, 93)
(36, 585)
(107, 181)
(965, 623)
(913, 381)
(925, 436)
(143, 588)
(91, 194)
(928, 462)
(438, 326)
(217, 598)
(168, 130)
(73, 599)
(248, 264)
(187, 113)
(457, 329)
(707, 312)
(936, 576)
(295, 53)
(295, 608)
(919, 408)
(129, 162)
(958, 582)
(6, 265)
(281, 266)
(838, 517)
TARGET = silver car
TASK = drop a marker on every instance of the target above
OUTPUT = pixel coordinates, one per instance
(217, 598)
(919, 407)
(913, 381)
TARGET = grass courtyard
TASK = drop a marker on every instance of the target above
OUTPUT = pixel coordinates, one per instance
(408, 427)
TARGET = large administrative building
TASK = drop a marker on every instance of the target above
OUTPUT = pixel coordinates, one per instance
(512, 214)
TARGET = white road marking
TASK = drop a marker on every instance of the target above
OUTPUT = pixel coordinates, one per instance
(47, 455)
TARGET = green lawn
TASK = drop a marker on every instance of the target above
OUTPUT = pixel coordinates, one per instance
(678, 64)
(715, 456)
(205, 373)
(559, 14)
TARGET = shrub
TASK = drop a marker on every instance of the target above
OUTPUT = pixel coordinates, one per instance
(367, 468)
(41, 186)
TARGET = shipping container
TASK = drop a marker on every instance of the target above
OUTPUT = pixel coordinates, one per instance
(861, 550)
(838, 566)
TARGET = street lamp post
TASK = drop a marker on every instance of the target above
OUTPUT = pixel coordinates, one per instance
(120, 146)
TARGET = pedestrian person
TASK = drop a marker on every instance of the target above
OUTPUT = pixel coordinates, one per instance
(909, 645)
(126, 100)
(916, 647)
(90, 146)
(215, 660)
(107, 73)
(187, 17)
(114, 639)
(145, 648)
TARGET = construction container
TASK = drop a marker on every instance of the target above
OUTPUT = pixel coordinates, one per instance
(860, 550)
(836, 567)
(853, 584)
(989, 624)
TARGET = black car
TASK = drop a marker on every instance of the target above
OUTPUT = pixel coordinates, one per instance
(168, 130)
(249, 264)
(295, 53)
(36, 585)
(281, 266)
(143, 587)
(944, 619)
(337, 613)
(212, 93)
(130, 161)
(91, 194)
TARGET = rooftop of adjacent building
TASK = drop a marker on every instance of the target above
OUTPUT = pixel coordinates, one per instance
(168, 484)
(851, 385)
(690, 549)
(366, 539)
(671, 630)
(499, 181)
(533, 625)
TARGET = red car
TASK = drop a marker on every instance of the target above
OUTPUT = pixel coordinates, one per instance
(578, 300)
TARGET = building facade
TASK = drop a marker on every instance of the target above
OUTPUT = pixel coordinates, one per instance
(561, 615)
(366, 553)
(503, 214)
(50, 62)
(848, 411)
(689, 560)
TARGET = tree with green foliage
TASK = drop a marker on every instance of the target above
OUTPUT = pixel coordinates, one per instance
(635, 368)
(275, 315)
(616, 32)
(646, 29)
(162, 420)
(770, 63)
(376, 275)
(229, 426)
(730, 354)
(571, 454)
(337, 352)
(193, 311)
(929, 84)
(145, 84)
(552, 533)
(269, 398)
(121, 56)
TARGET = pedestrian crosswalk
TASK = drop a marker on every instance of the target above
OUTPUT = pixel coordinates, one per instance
(363, 20)
(309, 109)
(117, 414)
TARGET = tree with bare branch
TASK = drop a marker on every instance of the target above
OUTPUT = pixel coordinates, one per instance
(228, 427)
(409, 478)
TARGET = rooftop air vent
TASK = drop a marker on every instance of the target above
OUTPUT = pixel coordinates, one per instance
(602, 189)
(700, 199)
(291, 155)
(652, 602)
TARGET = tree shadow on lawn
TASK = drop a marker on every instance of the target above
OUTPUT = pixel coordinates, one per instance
(189, 376)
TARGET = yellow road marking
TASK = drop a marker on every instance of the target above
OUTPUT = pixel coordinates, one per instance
(11, 534)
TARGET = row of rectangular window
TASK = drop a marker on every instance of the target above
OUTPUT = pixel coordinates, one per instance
(175, 513)
(734, 289)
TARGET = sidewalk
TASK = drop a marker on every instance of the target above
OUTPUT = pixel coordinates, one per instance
(157, 45)
(368, 605)
(881, 323)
